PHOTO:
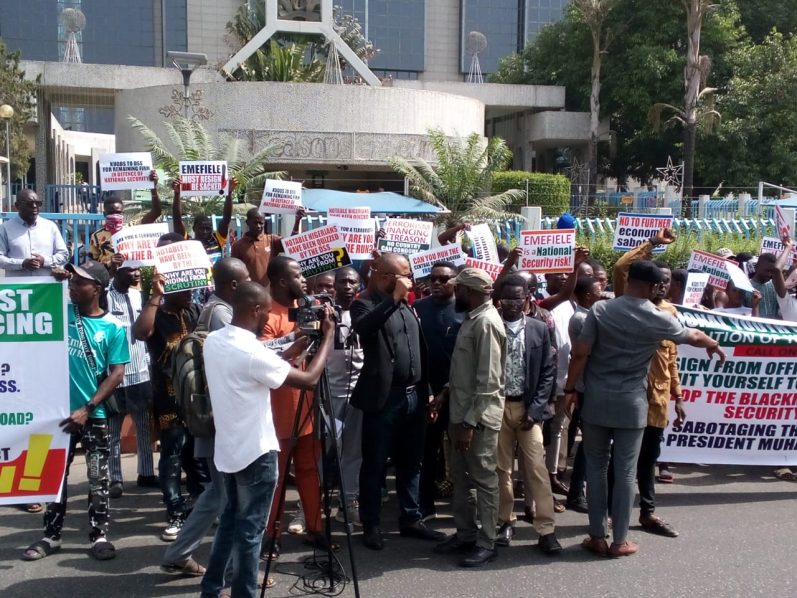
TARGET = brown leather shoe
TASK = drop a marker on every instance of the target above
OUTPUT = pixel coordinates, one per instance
(597, 546)
(627, 548)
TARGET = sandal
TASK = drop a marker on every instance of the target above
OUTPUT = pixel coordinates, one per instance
(102, 550)
(665, 476)
(34, 507)
(320, 542)
(558, 506)
(42, 548)
(275, 553)
(785, 474)
(270, 582)
(187, 567)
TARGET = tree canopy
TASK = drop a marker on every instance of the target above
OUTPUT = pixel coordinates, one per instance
(20, 94)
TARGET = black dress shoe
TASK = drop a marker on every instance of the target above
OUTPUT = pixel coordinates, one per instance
(504, 535)
(372, 538)
(454, 545)
(147, 481)
(579, 505)
(549, 544)
(558, 486)
(419, 530)
(478, 556)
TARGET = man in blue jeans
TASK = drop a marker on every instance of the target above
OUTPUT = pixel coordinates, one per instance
(240, 373)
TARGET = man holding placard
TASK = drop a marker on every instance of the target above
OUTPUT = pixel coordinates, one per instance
(255, 248)
(214, 241)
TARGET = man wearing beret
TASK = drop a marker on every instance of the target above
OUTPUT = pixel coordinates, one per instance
(476, 409)
(617, 342)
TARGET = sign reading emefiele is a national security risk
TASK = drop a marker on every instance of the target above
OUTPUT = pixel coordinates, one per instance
(548, 251)
(33, 335)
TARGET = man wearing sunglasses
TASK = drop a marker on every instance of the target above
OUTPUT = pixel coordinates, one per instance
(29, 245)
(393, 392)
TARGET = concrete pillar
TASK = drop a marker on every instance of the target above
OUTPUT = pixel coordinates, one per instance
(532, 216)
(743, 203)
(702, 206)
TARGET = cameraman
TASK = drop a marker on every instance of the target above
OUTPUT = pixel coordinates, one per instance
(287, 285)
(239, 383)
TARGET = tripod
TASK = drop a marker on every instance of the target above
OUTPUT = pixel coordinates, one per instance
(326, 427)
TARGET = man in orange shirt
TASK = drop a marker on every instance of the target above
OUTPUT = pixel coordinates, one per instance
(255, 248)
(288, 285)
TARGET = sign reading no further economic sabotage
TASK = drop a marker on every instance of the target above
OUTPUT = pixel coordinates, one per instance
(137, 243)
(126, 172)
(548, 251)
(406, 236)
(185, 265)
(743, 411)
(33, 335)
(357, 229)
(632, 230)
(281, 197)
(204, 178)
(318, 250)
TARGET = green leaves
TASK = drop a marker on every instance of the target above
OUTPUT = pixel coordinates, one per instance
(20, 95)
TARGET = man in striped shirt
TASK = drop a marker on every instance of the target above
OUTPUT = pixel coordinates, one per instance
(134, 395)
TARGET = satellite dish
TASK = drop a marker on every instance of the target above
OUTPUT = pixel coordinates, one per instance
(476, 43)
(73, 19)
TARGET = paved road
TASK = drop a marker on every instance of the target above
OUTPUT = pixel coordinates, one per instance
(737, 529)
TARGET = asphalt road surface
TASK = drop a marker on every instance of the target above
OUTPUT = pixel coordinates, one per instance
(737, 524)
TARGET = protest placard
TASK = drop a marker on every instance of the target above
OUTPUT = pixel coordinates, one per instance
(126, 172)
(784, 223)
(34, 387)
(483, 243)
(422, 262)
(720, 271)
(631, 230)
(185, 265)
(696, 283)
(204, 178)
(137, 243)
(743, 411)
(775, 247)
(491, 268)
(406, 236)
(548, 251)
(281, 197)
(357, 229)
(319, 250)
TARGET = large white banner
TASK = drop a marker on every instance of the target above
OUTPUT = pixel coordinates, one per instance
(742, 411)
(34, 389)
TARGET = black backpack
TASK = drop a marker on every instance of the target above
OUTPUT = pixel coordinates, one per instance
(190, 384)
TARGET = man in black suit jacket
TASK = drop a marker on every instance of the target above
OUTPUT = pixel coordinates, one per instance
(530, 376)
(393, 393)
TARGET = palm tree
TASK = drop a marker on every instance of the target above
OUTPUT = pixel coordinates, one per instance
(191, 141)
(462, 180)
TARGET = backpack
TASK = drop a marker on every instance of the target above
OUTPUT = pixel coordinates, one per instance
(190, 384)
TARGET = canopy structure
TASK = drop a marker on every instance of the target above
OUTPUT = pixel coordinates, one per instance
(789, 202)
(385, 202)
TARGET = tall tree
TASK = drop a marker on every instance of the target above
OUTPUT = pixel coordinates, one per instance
(594, 13)
(20, 94)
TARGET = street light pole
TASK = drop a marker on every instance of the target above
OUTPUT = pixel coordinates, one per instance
(7, 113)
(186, 63)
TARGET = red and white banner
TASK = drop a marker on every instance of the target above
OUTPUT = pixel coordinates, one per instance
(357, 229)
(491, 268)
(204, 178)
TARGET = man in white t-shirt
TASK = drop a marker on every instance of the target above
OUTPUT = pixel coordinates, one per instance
(784, 288)
(240, 374)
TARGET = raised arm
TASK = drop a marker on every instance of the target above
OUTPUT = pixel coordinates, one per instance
(778, 281)
(564, 294)
(642, 252)
(226, 216)
(177, 208)
(450, 234)
(144, 325)
(154, 211)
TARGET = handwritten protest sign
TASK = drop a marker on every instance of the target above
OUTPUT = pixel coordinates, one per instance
(34, 387)
(548, 251)
(281, 197)
(785, 224)
(203, 178)
(483, 243)
(357, 229)
(491, 268)
(775, 246)
(137, 243)
(319, 250)
(631, 230)
(696, 283)
(406, 236)
(742, 411)
(421, 263)
(185, 265)
(126, 172)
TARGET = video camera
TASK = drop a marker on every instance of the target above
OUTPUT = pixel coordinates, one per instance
(310, 312)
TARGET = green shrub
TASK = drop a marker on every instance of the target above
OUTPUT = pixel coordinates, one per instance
(549, 191)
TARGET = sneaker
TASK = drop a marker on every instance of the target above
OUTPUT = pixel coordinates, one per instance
(172, 529)
(353, 511)
(116, 489)
(297, 524)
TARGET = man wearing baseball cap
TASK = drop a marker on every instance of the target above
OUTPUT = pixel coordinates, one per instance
(617, 341)
(98, 352)
(476, 409)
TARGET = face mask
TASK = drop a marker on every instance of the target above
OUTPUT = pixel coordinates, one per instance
(114, 222)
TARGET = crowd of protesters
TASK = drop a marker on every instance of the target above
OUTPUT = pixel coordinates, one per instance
(455, 382)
